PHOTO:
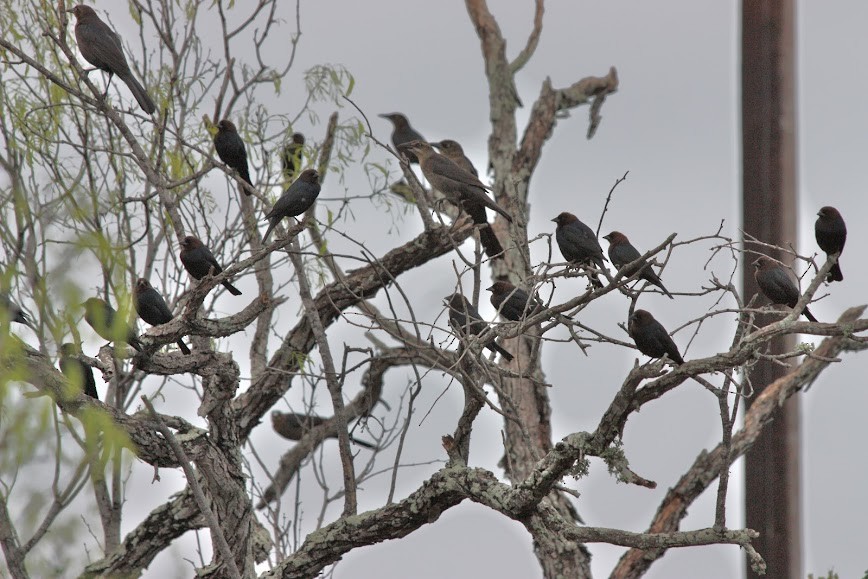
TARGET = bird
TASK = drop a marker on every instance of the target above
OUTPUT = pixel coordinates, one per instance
(79, 374)
(293, 426)
(513, 303)
(291, 156)
(101, 47)
(831, 233)
(152, 308)
(465, 320)
(462, 189)
(651, 337)
(455, 153)
(578, 244)
(104, 320)
(776, 284)
(621, 252)
(199, 261)
(231, 150)
(14, 311)
(297, 199)
(403, 133)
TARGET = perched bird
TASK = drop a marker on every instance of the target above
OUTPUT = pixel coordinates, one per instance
(231, 150)
(622, 252)
(651, 337)
(295, 200)
(104, 321)
(293, 426)
(455, 153)
(152, 308)
(14, 311)
(403, 133)
(513, 303)
(199, 261)
(462, 189)
(291, 156)
(831, 233)
(101, 46)
(79, 374)
(465, 320)
(776, 284)
(579, 244)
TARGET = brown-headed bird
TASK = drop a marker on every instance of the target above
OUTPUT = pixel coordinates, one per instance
(513, 303)
(104, 320)
(462, 189)
(297, 199)
(231, 150)
(403, 133)
(831, 233)
(291, 156)
(651, 337)
(199, 261)
(455, 153)
(578, 244)
(465, 320)
(14, 311)
(152, 308)
(293, 426)
(101, 46)
(622, 252)
(79, 374)
(776, 284)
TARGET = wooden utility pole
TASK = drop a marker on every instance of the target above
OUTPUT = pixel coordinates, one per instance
(768, 70)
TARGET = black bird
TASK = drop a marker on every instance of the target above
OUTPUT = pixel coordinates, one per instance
(152, 308)
(104, 320)
(79, 374)
(297, 199)
(465, 320)
(291, 157)
(513, 303)
(455, 153)
(14, 311)
(651, 337)
(622, 252)
(776, 284)
(199, 261)
(101, 46)
(293, 426)
(831, 233)
(403, 133)
(578, 244)
(231, 150)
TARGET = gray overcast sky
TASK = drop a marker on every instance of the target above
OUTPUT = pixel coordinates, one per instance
(674, 125)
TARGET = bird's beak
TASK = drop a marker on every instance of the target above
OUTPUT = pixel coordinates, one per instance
(555, 220)
(384, 116)
(489, 289)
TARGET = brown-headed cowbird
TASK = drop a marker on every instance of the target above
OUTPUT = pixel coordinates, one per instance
(199, 261)
(291, 156)
(101, 46)
(14, 311)
(462, 189)
(831, 233)
(513, 303)
(403, 133)
(651, 337)
(579, 244)
(104, 320)
(293, 426)
(297, 199)
(455, 153)
(776, 284)
(152, 308)
(231, 150)
(79, 374)
(465, 320)
(622, 252)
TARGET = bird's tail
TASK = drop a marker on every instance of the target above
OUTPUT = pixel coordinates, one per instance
(809, 315)
(835, 274)
(140, 93)
(363, 443)
(232, 289)
(494, 346)
(490, 243)
(183, 347)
